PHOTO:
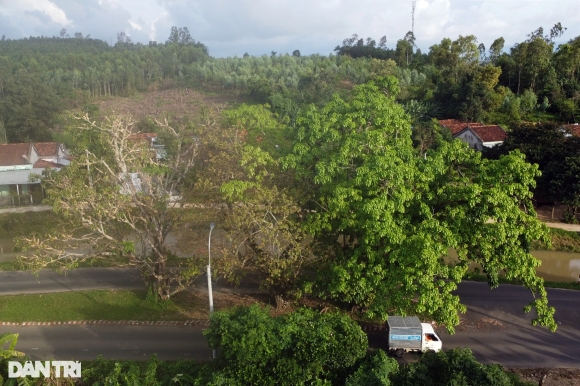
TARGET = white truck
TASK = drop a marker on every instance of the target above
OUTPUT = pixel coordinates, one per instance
(407, 333)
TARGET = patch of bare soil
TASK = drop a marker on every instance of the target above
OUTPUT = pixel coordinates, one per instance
(552, 213)
(482, 324)
(549, 377)
(178, 103)
(195, 304)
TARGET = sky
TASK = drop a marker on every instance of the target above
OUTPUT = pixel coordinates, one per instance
(258, 27)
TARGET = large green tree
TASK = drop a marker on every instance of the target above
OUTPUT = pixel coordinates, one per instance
(385, 218)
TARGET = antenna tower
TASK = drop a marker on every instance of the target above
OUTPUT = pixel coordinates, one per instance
(413, 17)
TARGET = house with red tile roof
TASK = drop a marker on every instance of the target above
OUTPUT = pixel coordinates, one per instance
(151, 141)
(456, 125)
(19, 160)
(479, 137)
(572, 129)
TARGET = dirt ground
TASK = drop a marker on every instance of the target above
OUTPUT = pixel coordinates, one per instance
(549, 377)
(177, 103)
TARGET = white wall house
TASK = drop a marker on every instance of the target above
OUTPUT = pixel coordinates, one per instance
(479, 137)
(19, 160)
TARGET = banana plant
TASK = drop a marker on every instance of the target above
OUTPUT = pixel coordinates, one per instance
(9, 352)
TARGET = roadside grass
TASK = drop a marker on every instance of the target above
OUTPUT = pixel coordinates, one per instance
(93, 262)
(475, 276)
(135, 305)
(562, 240)
(88, 305)
(23, 224)
(9, 266)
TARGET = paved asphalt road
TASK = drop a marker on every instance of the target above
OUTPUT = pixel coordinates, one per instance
(19, 282)
(495, 326)
(497, 330)
(113, 342)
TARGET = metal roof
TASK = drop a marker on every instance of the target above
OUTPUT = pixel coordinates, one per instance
(403, 322)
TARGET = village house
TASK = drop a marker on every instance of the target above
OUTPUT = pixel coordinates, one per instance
(456, 125)
(571, 129)
(18, 161)
(151, 141)
(476, 134)
(480, 137)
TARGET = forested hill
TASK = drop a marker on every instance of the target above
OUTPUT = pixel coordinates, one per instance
(17, 49)
(41, 76)
(533, 80)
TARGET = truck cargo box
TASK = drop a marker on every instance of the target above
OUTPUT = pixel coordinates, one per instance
(404, 332)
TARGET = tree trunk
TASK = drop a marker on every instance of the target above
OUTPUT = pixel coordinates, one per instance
(279, 300)
(160, 282)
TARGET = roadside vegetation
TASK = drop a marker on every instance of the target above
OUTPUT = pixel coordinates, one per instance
(477, 276)
(302, 347)
(88, 305)
(561, 240)
(23, 224)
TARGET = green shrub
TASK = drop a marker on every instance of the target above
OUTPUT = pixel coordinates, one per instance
(295, 349)
(456, 367)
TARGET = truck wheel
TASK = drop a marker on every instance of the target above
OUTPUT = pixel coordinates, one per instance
(399, 352)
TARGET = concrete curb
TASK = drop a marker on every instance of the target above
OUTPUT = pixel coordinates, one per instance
(197, 322)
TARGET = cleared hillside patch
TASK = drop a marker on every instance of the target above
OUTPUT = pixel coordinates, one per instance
(181, 104)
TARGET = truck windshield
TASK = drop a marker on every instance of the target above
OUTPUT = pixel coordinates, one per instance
(431, 337)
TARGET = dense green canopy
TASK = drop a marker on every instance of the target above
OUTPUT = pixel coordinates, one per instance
(385, 218)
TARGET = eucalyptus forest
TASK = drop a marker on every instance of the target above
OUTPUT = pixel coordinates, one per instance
(329, 174)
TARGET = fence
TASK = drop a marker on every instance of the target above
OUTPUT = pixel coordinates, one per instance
(554, 213)
(17, 200)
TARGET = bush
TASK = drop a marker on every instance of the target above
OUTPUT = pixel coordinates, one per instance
(456, 367)
(151, 373)
(375, 370)
(294, 349)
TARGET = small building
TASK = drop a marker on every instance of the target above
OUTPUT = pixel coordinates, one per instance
(151, 141)
(571, 129)
(19, 160)
(480, 137)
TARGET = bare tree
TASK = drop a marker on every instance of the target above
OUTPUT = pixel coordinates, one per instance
(121, 201)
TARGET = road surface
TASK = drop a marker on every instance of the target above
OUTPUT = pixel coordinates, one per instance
(87, 342)
(495, 326)
(21, 282)
(497, 330)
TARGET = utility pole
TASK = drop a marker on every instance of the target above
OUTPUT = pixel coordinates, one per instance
(209, 290)
(413, 17)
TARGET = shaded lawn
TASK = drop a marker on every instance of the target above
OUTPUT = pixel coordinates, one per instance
(115, 305)
(87, 305)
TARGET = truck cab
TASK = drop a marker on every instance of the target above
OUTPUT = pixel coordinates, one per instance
(430, 340)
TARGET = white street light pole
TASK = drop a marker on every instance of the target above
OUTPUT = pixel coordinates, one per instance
(211, 226)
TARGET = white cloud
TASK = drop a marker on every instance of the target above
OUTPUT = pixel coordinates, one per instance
(135, 25)
(431, 18)
(232, 27)
(54, 13)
